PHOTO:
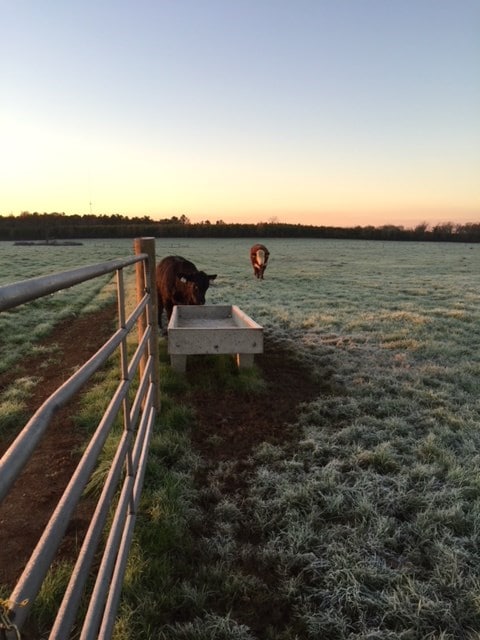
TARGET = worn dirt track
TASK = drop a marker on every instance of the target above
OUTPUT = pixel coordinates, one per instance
(26, 510)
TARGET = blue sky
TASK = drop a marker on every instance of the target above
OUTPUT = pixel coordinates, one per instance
(337, 112)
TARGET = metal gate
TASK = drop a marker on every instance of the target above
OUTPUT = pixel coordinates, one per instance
(122, 488)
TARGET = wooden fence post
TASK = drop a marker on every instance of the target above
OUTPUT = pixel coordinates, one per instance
(147, 245)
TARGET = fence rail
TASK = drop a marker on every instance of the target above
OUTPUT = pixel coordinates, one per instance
(138, 405)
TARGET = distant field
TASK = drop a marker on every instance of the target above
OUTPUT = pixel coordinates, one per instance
(380, 507)
(368, 308)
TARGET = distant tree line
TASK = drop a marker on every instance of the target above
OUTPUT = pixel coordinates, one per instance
(56, 226)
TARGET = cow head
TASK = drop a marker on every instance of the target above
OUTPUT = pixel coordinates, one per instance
(260, 257)
(194, 286)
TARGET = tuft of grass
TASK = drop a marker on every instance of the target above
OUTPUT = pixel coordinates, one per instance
(46, 604)
(208, 627)
(178, 417)
(12, 403)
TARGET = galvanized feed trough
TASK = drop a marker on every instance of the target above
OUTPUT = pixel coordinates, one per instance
(212, 329)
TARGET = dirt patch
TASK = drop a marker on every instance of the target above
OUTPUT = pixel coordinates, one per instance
(229, 426)
(27, 509)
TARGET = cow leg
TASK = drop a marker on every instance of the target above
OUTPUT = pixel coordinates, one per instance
(169, 308)
(160, 311)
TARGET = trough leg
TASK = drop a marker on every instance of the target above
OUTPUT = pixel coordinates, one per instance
(178, 363)
(244, 360)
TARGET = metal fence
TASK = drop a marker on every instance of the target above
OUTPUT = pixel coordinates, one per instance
(113, 520)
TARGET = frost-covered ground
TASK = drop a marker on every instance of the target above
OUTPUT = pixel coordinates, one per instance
(374, 522)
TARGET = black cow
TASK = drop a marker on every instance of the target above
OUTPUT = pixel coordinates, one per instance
(179, 282)
(259, 258)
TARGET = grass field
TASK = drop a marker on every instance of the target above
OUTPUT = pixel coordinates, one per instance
(372, 525)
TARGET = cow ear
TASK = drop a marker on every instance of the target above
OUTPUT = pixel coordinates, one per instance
(212, 277)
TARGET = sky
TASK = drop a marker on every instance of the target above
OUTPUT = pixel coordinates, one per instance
(323, 112)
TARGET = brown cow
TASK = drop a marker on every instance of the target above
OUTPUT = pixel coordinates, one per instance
(259, 258)
(179, 282)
